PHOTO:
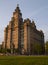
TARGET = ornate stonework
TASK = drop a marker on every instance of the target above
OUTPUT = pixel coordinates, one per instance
(21, 34)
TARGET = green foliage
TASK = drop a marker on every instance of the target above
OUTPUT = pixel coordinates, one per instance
(9, 50)
(37, 49)
(46, 47)
(23, 60)
(2, 50)
(16, 51)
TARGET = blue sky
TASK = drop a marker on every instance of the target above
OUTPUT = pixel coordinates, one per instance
(33, 9)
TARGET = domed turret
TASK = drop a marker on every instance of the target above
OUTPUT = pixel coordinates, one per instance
(33, 24)
(17, 13)
(17, 8)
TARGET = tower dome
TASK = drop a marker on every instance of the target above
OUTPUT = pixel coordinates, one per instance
(33, 24)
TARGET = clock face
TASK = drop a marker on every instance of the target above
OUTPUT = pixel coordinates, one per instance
(15, 16)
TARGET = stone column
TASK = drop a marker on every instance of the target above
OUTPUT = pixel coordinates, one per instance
(28, 34)
(25, 38)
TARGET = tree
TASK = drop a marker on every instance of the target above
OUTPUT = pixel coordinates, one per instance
(46, 48)
(37, 49)
(3, 50)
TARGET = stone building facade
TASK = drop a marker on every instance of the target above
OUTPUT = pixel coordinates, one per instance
(21, 34)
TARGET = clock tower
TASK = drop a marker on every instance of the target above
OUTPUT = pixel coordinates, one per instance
(17, 23)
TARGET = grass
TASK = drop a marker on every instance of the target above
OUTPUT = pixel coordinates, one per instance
(23, 60)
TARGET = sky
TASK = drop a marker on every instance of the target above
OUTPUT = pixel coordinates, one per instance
(36, 10)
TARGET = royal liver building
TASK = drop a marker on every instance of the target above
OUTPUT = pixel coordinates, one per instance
(22, 35)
